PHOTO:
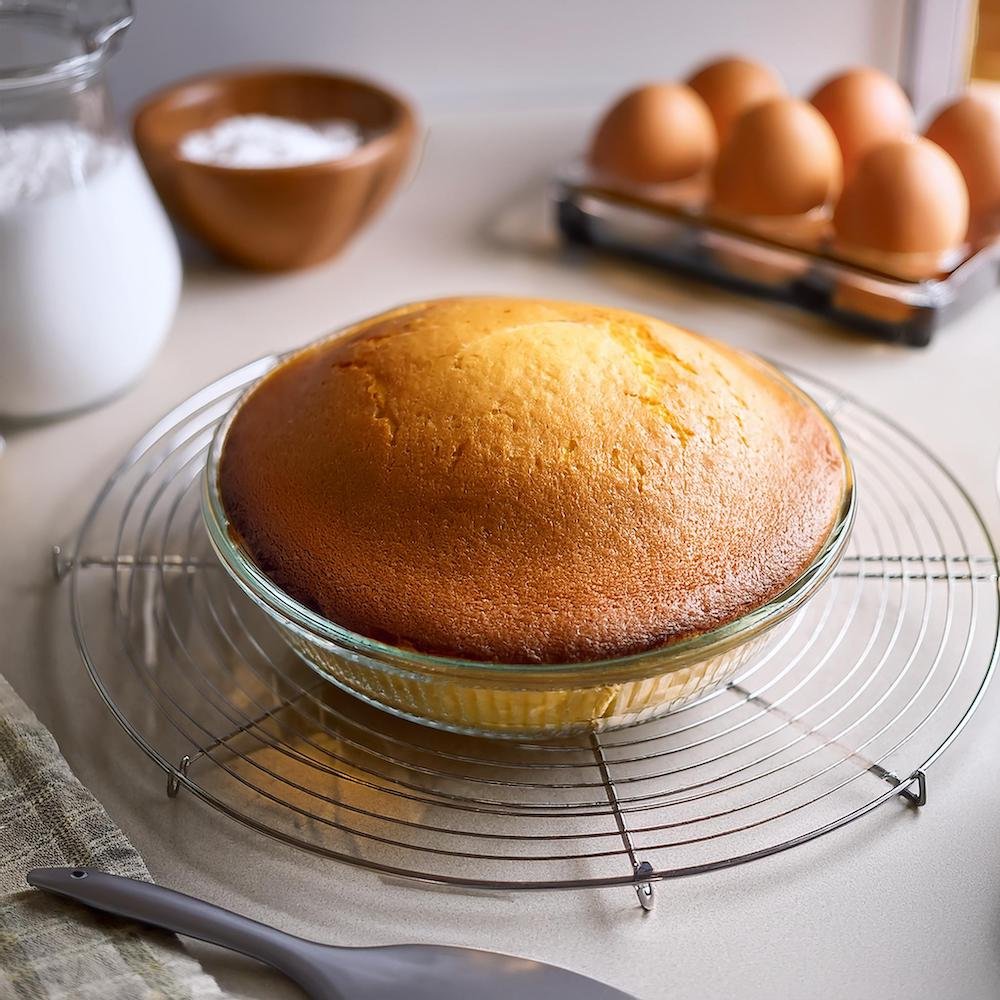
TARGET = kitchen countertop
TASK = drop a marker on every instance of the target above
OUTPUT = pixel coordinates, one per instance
(896, 905)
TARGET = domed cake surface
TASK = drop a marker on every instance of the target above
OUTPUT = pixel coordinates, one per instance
(518, 480)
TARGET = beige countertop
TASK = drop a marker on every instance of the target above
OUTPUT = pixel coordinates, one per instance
(893, 906)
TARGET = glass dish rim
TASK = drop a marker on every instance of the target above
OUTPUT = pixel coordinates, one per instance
(696, 648)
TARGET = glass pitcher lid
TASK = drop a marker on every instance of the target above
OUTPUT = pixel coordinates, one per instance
(48, 41)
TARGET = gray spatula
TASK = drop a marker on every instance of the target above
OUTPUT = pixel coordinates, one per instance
(413, 971)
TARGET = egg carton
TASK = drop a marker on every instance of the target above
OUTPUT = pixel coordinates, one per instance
(670, 231)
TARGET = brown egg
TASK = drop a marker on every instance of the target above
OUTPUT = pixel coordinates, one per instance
(906, 198)
(775, 176)
(781, 158)
(901, 213)
(657, 133)
(731, 86)
(969, 131)
(864, 108)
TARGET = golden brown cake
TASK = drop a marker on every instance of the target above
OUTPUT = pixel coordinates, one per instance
(519, 480)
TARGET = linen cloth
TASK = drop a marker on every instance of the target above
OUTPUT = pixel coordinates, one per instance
(51, 949)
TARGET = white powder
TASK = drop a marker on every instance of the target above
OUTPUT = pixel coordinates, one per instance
(89, 269)
(38, 160)
(269, 141)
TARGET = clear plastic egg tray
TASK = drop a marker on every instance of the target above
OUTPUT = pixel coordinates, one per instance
(667, 227)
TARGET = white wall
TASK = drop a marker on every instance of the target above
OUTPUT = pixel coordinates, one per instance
(504, 53)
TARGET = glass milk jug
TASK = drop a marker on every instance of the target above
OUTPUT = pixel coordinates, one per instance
(89, 267)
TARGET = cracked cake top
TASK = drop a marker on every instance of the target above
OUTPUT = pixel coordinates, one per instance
(519, 480)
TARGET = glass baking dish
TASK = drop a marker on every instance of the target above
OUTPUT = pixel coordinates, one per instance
(669, 227)
(518, 700)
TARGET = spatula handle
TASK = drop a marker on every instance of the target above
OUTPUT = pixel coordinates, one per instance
(174, 911)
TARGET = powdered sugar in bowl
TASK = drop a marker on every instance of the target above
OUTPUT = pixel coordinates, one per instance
(89, 268)
(275, 168)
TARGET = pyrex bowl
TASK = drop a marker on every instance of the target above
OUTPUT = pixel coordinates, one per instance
(518, 700)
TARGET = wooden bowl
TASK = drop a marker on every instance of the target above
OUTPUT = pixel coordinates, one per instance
(275, 219)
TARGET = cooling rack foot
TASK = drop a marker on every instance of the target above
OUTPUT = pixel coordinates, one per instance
(917, 798)
(174, 777)
(644, 889)
(61, 565)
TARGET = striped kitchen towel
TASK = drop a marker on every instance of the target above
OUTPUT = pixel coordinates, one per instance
(50, 948)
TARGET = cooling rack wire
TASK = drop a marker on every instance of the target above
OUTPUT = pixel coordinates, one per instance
(851, 706)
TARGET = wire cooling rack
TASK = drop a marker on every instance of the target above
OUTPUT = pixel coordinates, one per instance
(852, 704)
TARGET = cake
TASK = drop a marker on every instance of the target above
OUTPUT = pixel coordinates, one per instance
(528, 481)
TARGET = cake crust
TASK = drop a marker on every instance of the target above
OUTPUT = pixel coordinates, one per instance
(518, 480)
